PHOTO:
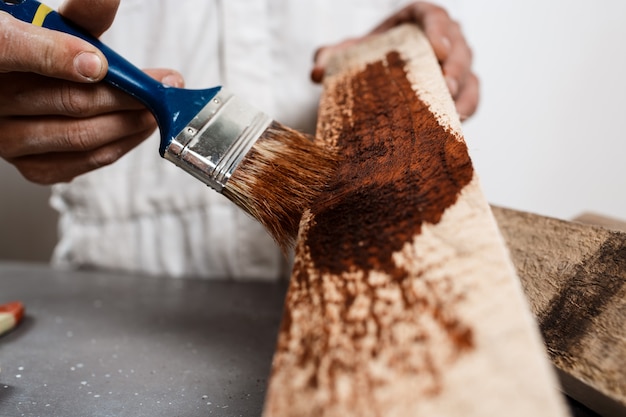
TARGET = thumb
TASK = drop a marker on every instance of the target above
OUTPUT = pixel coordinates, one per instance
(30, 48)
(323, 54)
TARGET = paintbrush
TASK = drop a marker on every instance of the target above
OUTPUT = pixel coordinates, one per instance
(272, 172)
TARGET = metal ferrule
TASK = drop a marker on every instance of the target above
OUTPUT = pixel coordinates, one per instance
(215, 142)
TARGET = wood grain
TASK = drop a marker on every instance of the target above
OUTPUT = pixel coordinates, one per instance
(403, 300)
(574, 276)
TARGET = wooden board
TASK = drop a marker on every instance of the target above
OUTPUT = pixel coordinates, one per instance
(574, 276)
(403, 300)
(597, 219)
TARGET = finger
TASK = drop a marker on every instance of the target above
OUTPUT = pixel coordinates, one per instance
(30, 48)
(436, 24)
(64, 134)
(63, 167)
(457, 67)
(95, 16)
(431, 18)
(317, 74)
(468, 98)
(323, 55)
(23, 94)
(319, 65)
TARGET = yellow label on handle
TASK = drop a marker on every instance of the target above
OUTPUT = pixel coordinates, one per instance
(40, 15)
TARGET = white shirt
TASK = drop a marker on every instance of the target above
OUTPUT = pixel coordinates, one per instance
(143, 214)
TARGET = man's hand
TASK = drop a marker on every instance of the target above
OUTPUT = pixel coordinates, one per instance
(448, 42)
(56, 120)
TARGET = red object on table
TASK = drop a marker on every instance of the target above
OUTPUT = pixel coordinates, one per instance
(10, 315)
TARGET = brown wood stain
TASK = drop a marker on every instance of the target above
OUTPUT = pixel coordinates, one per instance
(386, 188)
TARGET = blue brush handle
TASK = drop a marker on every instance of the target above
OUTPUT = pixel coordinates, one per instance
(173, 108)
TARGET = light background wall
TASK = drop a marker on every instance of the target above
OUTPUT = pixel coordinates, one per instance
(548, 138)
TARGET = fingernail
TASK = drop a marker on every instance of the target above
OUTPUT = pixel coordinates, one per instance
(173, 80)
(446, 43)
(89, 65)
(453, 86)
(317, 74)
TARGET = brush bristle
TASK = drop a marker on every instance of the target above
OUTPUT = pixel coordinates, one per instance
(279, 178)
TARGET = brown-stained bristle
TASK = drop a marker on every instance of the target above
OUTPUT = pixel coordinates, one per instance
(279, 178)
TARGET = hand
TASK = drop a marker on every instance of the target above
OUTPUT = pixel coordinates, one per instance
(449, 45)
(56, 120)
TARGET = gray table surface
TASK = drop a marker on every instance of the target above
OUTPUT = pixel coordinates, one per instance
(102, 344)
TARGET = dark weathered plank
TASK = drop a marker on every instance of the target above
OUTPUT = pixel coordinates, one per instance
(574, 276)
(596, 219)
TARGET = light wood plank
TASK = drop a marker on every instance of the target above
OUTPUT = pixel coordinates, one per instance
(403, 300)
